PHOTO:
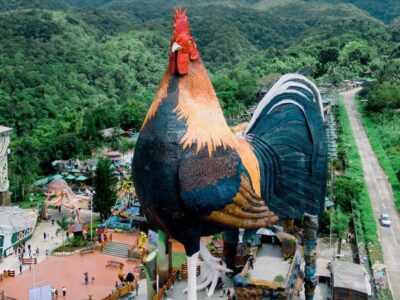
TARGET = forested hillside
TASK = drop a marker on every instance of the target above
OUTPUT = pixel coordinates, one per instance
(386, 10)
(71, 68)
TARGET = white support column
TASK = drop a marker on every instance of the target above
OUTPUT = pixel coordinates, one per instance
(192, 278)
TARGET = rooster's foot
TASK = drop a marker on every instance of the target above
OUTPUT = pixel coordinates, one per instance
(215, 269)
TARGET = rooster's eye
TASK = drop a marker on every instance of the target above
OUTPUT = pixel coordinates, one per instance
(190, 42)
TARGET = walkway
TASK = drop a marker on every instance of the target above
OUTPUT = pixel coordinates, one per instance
(37, 240)
(68, 271)
(380, 193)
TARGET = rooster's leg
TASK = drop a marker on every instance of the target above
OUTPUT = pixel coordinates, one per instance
(192, 284)
(216, 269)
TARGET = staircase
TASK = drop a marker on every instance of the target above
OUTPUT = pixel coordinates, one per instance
(116, 249)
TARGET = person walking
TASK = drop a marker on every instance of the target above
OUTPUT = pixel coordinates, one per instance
(86, 278)
(223, 291)
(44, 235)
(64, 291)
(251, 262)
(47, 252)
(93, 279)
(137, 287)
(20, 268)
(56, 293)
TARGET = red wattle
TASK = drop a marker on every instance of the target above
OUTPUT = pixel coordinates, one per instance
(183, 63)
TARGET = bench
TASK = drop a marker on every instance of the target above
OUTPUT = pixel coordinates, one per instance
(85, 251)
(113, 263)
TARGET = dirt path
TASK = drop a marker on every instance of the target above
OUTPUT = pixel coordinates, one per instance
(380, 192)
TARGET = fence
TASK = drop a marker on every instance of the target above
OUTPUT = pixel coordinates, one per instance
(170, 281)
(7, 273)
(120, 292)
(4, 297)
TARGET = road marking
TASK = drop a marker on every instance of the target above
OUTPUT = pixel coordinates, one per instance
(394, 237)
(388, 280)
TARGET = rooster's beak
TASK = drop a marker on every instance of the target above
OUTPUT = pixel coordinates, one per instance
(175, 47)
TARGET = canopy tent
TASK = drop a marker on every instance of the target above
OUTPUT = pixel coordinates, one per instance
(265, 231)
(42, 181)
(81, 178)
(70, 177)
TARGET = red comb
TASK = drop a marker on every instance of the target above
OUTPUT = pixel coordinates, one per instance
(181, 23)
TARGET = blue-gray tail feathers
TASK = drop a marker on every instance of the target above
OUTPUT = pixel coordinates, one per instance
(288, 135)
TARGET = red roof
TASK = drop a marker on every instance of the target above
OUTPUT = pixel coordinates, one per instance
(113, 153)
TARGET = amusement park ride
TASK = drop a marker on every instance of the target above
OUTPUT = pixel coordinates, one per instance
(126, 210)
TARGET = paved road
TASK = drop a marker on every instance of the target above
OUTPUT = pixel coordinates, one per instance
(381, 195)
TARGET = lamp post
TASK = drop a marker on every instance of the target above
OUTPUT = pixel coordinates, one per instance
(91, 215)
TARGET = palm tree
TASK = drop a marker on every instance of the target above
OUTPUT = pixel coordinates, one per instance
(63, 225)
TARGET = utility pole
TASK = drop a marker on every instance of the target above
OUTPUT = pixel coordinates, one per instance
(91, 215)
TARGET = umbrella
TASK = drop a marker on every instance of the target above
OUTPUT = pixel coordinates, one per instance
(57, 176)
(70, 177)
(265, 231)
(41, 181)
(81, 178)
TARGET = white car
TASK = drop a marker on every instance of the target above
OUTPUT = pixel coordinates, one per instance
(385, 220)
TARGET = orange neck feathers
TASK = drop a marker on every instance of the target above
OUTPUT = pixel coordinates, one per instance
(199, 106)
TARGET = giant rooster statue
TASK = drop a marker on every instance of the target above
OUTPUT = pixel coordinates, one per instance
(194, 177)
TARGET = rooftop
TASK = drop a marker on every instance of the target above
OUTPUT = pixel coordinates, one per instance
(351, 276)
(14, 219)
(4, 129)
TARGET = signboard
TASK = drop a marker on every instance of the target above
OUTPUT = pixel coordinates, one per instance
(40, 293)
(153, 238)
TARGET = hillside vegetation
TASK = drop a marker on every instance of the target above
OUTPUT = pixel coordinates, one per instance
(71, 68)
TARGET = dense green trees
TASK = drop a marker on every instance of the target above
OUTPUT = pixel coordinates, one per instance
(104, 186)
(65, 74)
(386, 96)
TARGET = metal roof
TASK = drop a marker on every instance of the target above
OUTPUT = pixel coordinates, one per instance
(14, 219)
(4, 129)
(351, 276)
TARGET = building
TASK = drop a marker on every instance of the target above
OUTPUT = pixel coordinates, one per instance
(350, 281)
(73, 168)
(16, 225)
(4, 184)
